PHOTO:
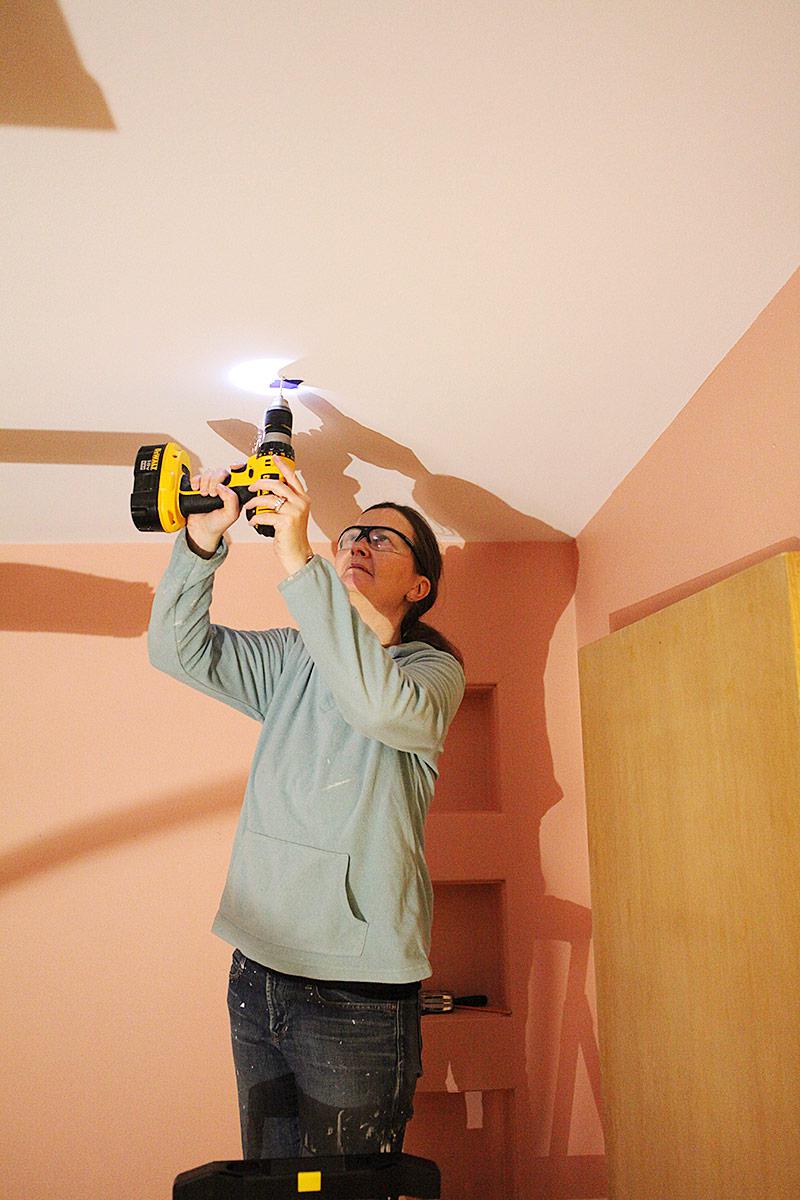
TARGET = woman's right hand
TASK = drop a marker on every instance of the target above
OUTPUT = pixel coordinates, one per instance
(206, 529)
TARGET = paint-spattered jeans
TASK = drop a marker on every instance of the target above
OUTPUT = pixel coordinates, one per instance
(319, 1070)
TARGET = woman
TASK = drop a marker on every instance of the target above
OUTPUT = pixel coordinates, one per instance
(328, 901)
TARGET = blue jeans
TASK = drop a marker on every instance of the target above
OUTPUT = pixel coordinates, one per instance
(318, 1069)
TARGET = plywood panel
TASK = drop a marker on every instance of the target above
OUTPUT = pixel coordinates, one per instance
(692, 759)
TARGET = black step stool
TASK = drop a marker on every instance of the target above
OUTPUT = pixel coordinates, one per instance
(341, 1177)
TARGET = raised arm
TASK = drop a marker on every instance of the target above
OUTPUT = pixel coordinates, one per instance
(408, 705)
(239, 668)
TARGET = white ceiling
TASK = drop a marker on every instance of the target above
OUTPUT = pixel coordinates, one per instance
(511, 239)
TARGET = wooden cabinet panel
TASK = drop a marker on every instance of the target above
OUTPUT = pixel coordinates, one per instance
(691, 729)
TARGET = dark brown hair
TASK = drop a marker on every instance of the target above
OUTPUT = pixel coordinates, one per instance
(429, 561)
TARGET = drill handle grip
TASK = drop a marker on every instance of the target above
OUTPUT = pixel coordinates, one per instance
(193, 502)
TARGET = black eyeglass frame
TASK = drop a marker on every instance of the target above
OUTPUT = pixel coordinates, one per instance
(366, 530)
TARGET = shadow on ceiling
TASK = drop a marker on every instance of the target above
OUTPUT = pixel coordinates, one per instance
(81, 447)
(324, 454)
(47, 599)
(43, 81)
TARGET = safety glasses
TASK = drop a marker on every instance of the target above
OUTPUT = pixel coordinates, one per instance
(382, 538)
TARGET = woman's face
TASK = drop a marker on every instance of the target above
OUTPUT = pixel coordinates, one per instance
(387, 578)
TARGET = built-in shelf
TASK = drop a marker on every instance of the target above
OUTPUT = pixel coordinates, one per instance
(471, 1063)
(468, 940)
(468, 771)
(467, 1050)
(465, 846)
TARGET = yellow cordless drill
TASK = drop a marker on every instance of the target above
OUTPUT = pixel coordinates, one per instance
(162, 496)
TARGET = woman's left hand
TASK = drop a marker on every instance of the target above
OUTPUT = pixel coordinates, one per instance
(288, 508)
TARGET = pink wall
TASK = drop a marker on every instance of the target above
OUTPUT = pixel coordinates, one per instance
(719, 490)
(124, 789)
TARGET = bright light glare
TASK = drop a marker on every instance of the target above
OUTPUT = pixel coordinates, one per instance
(257, 374)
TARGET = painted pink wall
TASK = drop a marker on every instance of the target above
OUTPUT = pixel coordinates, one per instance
(122, 794)
(719, 490)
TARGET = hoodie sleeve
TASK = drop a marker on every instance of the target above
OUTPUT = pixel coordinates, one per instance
(237, 667)
(408, 706)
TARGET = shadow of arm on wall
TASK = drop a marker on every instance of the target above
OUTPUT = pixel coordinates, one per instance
(324, 454)
(37, 599)
(43, 81)
(101, 833)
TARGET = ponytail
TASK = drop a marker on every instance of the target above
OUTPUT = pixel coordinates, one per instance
(429, 559)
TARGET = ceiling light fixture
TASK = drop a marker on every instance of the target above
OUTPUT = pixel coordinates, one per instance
(260, 376)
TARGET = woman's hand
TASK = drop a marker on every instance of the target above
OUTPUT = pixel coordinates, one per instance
(288, 508)
(206, 529)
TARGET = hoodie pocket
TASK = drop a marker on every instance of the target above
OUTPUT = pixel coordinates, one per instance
(294, 896)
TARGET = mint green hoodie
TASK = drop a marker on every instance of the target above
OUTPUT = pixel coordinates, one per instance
(327, 875)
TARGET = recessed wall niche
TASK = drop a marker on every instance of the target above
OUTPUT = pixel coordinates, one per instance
(468, 770)
(468, 939)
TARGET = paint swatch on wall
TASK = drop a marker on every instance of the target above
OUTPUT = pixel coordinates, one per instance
(38, 599)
